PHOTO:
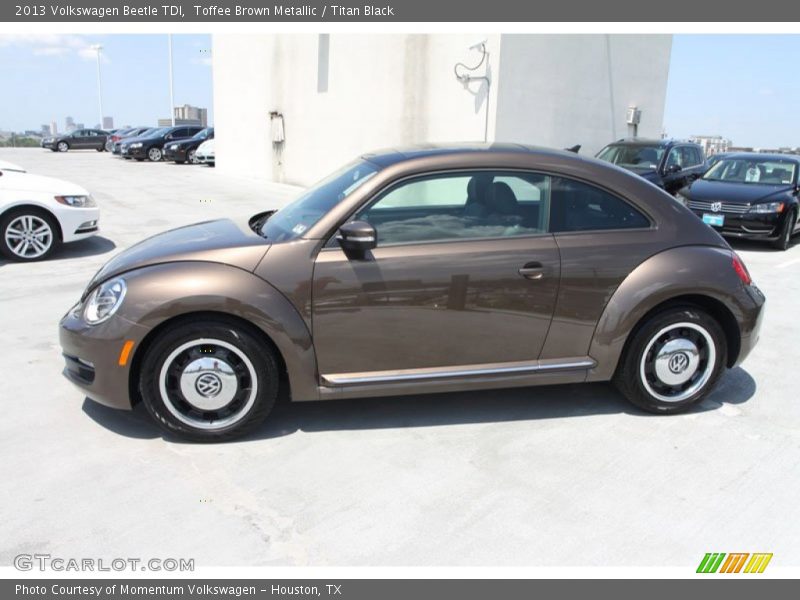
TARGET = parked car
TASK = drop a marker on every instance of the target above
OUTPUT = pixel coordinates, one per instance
(117, 136)
(9, 166)
(150, 145)
(186, 150)
(39, 213)
(205, 153)
(749, 195)
(81, 139)
(669, 164)
(432, 269)
(116, 147)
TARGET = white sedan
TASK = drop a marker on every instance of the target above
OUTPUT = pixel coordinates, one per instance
(9, 166)
(39, 213)
(205, 153)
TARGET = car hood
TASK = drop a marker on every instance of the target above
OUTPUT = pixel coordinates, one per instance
(9, 166)
(207, 146)
(223, 241)
(187, 142)
(26, 182)
(704, 190)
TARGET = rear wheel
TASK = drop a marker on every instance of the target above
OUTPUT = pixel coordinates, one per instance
(28, 235)
(154, 154)
(785, 239)
(209, 381)
(673, 360)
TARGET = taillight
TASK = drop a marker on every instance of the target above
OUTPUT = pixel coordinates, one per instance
(741, 270)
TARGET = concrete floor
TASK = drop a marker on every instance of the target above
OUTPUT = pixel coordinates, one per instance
(568, 475)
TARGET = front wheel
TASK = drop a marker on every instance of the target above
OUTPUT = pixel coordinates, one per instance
(154, 154)
(63, 146)
(28, 235)
(673, 360)
(785, 239)
(209, 381)
(192, 157)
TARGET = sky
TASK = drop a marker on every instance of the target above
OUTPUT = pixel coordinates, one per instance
(745, 88)
(50, 77)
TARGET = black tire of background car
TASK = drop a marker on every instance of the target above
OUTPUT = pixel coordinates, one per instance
(12, 214)
(785, 238)
(627, 378)
(259, 353)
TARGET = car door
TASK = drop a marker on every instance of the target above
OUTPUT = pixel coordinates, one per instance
(465, 273)
(78, 139)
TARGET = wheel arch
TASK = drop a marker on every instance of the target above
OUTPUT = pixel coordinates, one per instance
(36, 207)
(698, 276)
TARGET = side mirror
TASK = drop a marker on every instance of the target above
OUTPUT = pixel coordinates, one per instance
(674, 169)
(357, 236)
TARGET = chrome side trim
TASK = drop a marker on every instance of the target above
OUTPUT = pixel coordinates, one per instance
(522, 367)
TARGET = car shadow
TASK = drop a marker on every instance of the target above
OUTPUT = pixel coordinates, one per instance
(434, 410)
(92, 246)
(760, 246)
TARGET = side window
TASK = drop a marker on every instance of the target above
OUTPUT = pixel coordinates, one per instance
(690, 156)
(675, 157)
(578, 206)
(465, 205)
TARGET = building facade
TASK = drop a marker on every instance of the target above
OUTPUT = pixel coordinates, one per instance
(292, 108)
(712, 144)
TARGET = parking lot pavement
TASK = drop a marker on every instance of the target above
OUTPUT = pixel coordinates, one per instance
(567, 475)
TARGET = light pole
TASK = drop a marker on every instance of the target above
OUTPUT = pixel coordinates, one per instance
(98, 48)
(171, 98)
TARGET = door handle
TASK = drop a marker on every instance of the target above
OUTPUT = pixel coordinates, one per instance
(532, 270)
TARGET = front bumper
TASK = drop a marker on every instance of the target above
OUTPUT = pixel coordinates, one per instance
(178, 153)
(92, 356)
(138, 152)
(754, 226)
(78, 223)
(48, 145)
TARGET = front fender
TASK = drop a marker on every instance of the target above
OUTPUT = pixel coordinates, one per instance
(685, 271)
(161, 292)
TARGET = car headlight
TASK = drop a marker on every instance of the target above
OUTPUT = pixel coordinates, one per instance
(76, 201)
(136, 145)
(104, 301)
(767, 207)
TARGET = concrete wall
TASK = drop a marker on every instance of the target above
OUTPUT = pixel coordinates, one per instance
(382, 90)
(561, 90)
(373, 91)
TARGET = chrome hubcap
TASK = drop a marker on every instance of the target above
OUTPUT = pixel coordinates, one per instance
(155, 154)
(208, 383)
(29, 236)
(62, 146)
(677, 362)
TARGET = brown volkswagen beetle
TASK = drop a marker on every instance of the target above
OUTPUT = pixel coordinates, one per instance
(429, 269)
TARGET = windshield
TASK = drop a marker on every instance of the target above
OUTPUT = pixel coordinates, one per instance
(203, 133)
(753, 171)
(294, 219)
(636, 156)
(155, 132)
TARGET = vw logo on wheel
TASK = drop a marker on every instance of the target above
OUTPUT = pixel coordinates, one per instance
(208, 385)
(716, 206)
(678, 362)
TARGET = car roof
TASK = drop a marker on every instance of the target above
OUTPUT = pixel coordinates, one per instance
(391, 156)
(650, 142)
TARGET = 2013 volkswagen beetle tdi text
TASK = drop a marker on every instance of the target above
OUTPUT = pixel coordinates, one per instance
(428, 269)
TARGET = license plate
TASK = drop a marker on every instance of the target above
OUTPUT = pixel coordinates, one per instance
(714, 220)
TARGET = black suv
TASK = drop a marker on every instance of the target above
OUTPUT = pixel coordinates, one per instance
(669, 164)
(150, 145)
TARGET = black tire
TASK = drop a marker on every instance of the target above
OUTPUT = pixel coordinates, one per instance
(191, 157)
(100, 149)
(164, 370)
(139, 160)
(179, 162)
(785, 239)
(62, 146)
(637, 375)
(12, 216)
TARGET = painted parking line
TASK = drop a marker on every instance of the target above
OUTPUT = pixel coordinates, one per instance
(788, 263)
